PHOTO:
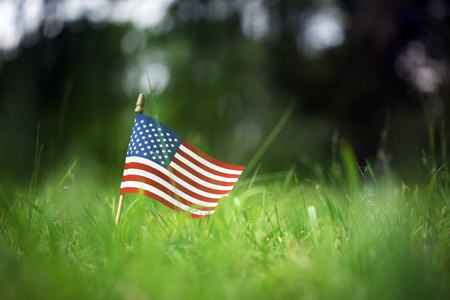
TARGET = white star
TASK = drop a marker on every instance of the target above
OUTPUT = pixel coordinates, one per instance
(148, 147)
(171, 145)
(170, 140)
(157, 151)
(151, 152)
(133, 144)
(164, 140)
(143, 137)
(137, 140)
(137, 152)
(152, 141)
(153, 157)
(145, 154)
(159, 129)
(142, 121)
(155, 134)
(134, 132)
(145, 126)
(167, 134)
(164, 151)
(165, 156)
(140, 144)
(162, 162)
(154, 146)
(175, 140)
(153, 129)
(158, 140)
(134, 148)
(139, 128)
(169, 151)
(146, 142)
(159, 157)
(140, 132)
(151, 125)
(135, 135)
(142, 149)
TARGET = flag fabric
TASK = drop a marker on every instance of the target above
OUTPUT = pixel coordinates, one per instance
(163, 166)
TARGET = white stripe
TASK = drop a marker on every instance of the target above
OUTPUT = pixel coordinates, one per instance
(149, 188)
(135, 159)
(198, 180)
(203, 172)
(207, 163)
(172, 188)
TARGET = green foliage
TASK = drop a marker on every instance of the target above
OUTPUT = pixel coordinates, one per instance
(351, 168)
(273, 134)
(389, 241)
(362, 235)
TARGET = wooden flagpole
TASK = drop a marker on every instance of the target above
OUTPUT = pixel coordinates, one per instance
(139, 109)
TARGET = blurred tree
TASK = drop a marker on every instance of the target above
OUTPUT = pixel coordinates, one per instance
(223, 72)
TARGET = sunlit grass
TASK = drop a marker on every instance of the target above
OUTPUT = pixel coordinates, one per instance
(350, 232)
(353, 236)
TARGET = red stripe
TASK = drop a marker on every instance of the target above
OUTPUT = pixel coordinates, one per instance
(199, 175)
(160, 200)
(210, 159)
(162, 188)
(204, 167)
(200, 186)
(188, 180)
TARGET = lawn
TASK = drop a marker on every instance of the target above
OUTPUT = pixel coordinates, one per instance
(350, 233)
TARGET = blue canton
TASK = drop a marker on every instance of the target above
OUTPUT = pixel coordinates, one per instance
(153, 140)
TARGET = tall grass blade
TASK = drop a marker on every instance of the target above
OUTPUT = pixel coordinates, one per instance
(431, 186)
(288, 178)
(61, 182)
(254, 177)
(328, 203)
(263, 177)
(268, 217)
(130, 206)
(351, 170)
(276, 213)
(303, 198)
(30, 203)
(314, 224)
(369, 167)
(268, 141)
(37, 161)
(154, 111)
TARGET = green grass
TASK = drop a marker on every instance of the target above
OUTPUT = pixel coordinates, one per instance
(348, 235)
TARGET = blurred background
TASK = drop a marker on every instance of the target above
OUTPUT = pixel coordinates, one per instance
(223, 73)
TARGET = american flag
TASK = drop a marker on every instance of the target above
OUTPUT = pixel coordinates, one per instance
(163, 166)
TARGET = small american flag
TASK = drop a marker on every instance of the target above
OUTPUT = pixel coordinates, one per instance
(163, 166)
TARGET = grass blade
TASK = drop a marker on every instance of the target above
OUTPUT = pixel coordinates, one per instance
(314, 224)
(303, 197)
(348, 160)
(34, 176)
(268, 141)
(61, 182)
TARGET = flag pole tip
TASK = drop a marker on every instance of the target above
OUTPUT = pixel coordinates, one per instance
(140, 104)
